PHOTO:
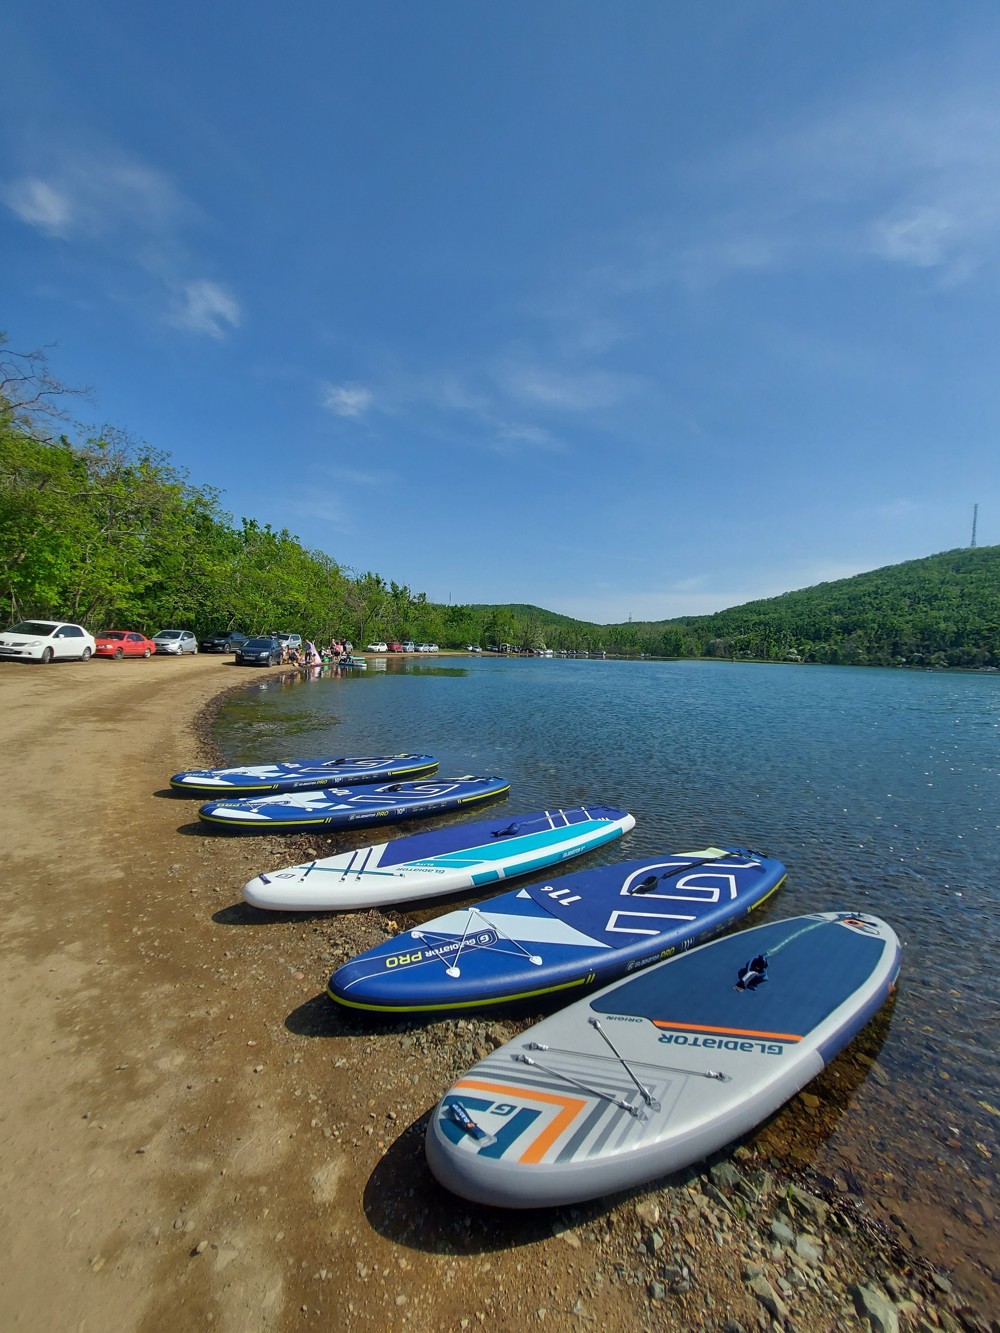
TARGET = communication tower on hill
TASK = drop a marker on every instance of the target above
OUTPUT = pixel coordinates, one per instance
(975, 515)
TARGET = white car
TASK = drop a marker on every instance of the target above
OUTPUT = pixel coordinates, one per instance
(377, 648)
(44, 640)
(427, 648)
(176, 641)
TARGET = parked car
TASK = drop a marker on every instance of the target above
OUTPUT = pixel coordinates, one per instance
(226, 641)
(473, 648)
(119, 643)
(427, 648)
(44, 640)
(260, 651)
(377, 648)
(395, 647)
(287, 641)
(408, 646)
(176, 641)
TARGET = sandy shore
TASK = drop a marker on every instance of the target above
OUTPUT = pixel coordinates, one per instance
(194, 1135)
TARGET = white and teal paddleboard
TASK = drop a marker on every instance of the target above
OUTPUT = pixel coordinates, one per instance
(447, 860)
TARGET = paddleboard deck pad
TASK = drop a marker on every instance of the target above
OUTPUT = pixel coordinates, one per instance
(354, 807)
(582, 929)
(448, 860)
(661, 1069)
(301, 775)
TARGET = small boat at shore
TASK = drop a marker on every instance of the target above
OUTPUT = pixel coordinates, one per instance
(352, 807)
(301, 774)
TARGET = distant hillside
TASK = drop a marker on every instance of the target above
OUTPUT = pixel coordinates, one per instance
(942, 610)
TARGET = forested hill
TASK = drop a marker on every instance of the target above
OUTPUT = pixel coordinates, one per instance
(943, 610)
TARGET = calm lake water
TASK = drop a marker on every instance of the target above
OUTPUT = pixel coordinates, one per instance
(880, 791)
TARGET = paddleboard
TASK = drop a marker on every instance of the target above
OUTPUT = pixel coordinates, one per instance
(448, 860)
(583, 929)
(301, 775)
(661, 1069)
(353, 807)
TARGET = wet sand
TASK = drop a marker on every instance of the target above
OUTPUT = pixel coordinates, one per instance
(194, 1136)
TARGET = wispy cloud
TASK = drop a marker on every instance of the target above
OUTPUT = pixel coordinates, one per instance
(137, 218)
(97, 196)
(330, 509)
(347, 400)
(465, 407)
(40, 204)
(352, 477)
(205, 307)
(898, 173)
(564, 390)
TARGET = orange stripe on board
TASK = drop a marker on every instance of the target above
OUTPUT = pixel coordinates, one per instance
(572, 1106)
(732, 1032)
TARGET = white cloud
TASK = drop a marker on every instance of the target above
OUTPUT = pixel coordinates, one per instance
(134, 216)
(40, 204)
(921, 237)
(97, 196)
(565, 391)
(347, 400)
(205, 307)
(524, 433)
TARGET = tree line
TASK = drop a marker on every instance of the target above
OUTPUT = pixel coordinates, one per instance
(106, 530)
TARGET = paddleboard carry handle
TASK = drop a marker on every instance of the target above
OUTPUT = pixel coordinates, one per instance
(507, 832)
(465, 1122)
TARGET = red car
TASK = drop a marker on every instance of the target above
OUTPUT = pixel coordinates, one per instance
(395, 647)
(121, 643)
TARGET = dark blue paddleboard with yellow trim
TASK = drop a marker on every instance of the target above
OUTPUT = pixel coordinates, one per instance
(661, 1069)
(352, 807)
(579, 930)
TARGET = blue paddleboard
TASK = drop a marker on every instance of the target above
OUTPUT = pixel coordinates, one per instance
(301, 775)
(353, 807)
(661, 1069)
(582, 929)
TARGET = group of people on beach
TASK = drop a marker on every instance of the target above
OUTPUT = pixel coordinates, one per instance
(309, 655)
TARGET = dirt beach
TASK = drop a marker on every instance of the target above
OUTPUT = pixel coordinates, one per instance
(194, 1136)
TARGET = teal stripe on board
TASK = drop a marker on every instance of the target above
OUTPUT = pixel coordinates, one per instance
(509, 847)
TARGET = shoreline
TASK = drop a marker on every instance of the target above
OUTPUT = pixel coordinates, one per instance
(197, 1136)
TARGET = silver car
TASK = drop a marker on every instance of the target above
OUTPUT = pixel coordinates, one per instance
(176, 641)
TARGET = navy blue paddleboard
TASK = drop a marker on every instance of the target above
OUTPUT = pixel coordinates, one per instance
(583, 929)
(353, 807)
(301, 775)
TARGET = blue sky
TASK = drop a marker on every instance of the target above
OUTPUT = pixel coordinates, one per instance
(633, 309)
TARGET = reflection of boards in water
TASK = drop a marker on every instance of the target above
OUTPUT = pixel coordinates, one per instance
(353, 807)
(448, 860)
(301, 775)
(580, 930)
(661, 1069)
